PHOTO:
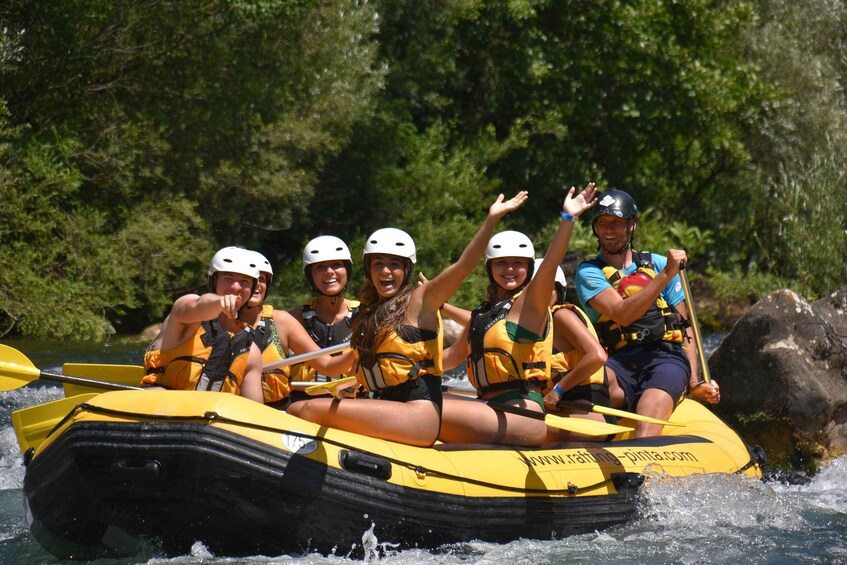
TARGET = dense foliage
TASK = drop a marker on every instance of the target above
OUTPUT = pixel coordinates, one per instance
(138, 136)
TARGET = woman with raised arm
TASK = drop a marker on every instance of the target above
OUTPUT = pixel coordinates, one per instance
(508, 343)
(397, 339)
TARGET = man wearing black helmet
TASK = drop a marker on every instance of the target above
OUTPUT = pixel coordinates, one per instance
(636, 302)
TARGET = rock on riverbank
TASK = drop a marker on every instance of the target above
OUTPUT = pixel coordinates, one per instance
(783, 375)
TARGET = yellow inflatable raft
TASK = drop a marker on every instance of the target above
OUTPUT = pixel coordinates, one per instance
(171, 468)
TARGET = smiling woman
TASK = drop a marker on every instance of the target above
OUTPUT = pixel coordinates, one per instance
(327, 266)
(508, 342)
(398, 341)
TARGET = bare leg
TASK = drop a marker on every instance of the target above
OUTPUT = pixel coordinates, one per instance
(655, 403)
(472, 421)
(616, 394)
(415, 422)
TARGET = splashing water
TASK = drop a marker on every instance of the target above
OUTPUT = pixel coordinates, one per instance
(697, 519)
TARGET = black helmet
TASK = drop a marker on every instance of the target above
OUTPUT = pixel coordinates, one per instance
(615, 202)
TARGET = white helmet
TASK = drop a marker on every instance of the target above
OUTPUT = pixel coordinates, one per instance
(235, 260)
(509, 244)
(391, 241)
(560, 274)
(325, 248)
(263, 264)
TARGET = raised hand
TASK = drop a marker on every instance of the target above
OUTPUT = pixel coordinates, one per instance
(582, 202)
(500, 207)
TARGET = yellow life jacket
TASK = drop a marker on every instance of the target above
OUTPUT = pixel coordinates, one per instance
(659, 323)
(402, 359)
(563, 362)
(324, 335)
(496, 361)
(275, 382)
(214, 359)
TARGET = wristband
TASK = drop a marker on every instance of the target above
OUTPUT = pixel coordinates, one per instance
(566, 217)
(558, 390)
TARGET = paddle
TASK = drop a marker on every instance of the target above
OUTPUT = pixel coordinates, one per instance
(126, 374)
(577, 425)
(129, 375)
(303, 357)
(692, 320)
(331, 387)
(16, 370)
(581, 406)
(608, 411)
(33, 424)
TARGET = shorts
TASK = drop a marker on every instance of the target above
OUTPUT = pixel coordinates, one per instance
(594, 393)
(658, 366)
(531, 395)
(427, 387)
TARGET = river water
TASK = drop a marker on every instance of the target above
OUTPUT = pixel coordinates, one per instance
(703, 519)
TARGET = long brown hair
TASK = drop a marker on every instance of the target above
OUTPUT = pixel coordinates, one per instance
(378, 316)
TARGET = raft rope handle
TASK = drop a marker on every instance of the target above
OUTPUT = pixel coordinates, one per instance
(571, 489)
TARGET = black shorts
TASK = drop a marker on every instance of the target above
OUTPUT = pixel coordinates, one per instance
(593, 393)
(662, 366)
(427, 387)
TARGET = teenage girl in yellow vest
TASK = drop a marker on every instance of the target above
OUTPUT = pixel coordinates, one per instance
(202, 345)
(508, 343)
(327, 266)
(277, 333)
(397, 339)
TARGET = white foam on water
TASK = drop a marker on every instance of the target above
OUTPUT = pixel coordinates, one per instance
(11, 460)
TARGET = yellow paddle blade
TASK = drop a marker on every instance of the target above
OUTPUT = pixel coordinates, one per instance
(584, 426)
(609, 411)
(119, 374)
(631, 415)
(577, 425)
(33, 424)
(16, 370)
(332, 387)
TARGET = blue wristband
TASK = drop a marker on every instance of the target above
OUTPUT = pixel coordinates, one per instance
(566, 217)
(557, 389)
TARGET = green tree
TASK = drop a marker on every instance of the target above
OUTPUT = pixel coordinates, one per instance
(792, 230)
(151, 132)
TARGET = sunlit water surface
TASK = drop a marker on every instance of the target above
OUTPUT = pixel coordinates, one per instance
(700, 519)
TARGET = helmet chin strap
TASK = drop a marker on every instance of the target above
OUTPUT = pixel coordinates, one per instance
(333, 297)
(620, 251)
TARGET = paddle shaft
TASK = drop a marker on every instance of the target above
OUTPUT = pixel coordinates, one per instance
(303, 357)
(695, 327)
(85, 382)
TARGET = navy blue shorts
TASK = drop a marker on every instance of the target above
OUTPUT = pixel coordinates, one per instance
(658, 366)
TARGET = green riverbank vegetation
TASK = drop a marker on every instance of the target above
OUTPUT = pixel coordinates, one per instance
(136, 137)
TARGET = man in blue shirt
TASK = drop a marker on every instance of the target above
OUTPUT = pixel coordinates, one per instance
(636, 302)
